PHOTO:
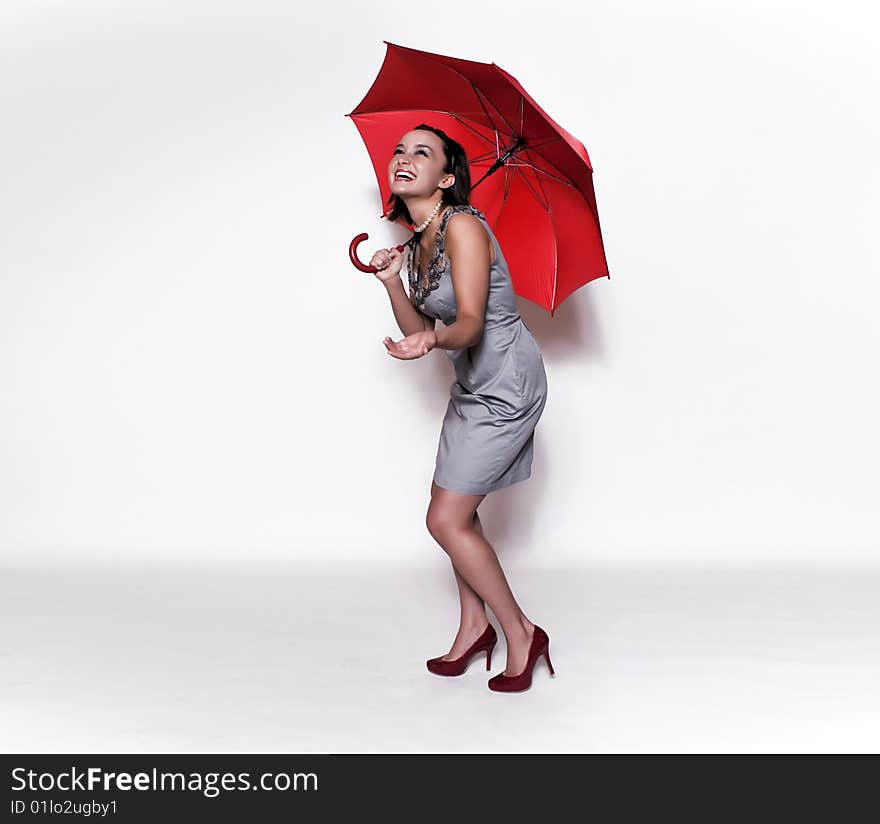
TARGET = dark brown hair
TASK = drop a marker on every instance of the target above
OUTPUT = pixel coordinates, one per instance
(456, 164)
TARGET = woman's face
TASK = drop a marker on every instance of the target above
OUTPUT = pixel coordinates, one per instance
(420, 154)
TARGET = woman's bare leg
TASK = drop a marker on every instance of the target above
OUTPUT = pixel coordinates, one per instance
(451, 522)
(473, 621)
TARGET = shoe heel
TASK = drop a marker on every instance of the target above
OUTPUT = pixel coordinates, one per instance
(489, 656)
(547, 659)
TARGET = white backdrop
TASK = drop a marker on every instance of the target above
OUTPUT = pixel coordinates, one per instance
(191, 367)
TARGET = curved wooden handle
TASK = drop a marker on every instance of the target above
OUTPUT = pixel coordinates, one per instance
(353, 253)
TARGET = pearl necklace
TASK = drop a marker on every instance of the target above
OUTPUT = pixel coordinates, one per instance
(424, 225)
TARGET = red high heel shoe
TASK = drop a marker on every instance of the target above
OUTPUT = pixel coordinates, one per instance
(486, 641)
(517, 683)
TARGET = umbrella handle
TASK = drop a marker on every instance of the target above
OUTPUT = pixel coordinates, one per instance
(353, 253)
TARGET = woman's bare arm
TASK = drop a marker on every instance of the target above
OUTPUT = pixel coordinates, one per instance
(468, 251)
(409, 319)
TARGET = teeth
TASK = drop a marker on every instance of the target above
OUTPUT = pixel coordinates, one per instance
(403, 176)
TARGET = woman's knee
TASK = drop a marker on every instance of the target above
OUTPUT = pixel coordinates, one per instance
(442, 522)
(435, 521)
(450, 512)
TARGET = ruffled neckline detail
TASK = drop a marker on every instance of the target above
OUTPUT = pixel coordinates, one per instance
(438, 264)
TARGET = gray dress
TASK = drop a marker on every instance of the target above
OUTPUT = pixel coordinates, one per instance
(488, 433)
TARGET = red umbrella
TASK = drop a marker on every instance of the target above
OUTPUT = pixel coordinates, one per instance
(542, 206)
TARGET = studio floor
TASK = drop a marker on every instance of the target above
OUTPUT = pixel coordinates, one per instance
(158, 659)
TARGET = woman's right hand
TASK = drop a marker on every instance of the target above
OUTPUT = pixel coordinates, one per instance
(388, 263)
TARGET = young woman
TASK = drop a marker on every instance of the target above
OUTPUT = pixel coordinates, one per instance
(487, 438)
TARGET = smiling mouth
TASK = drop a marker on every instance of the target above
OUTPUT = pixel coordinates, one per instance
(403, 178)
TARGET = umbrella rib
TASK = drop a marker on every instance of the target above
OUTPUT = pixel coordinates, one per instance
(466, 124)
(553, 234)
(507, 182)
(514, 158)
(473, 86)
(537, 144)
(539, 196)
(517, 160)
(480, 97)
(537, 169)
(522, 117)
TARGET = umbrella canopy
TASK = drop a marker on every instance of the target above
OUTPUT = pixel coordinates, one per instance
(531, 179)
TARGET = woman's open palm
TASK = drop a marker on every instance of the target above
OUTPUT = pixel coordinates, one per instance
(412, 346)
